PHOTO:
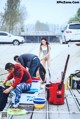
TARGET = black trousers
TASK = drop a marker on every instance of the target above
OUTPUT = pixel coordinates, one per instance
(35, 64)
(3, 98)
(42, 72)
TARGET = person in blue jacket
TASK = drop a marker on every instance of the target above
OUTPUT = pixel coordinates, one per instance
(32, 62)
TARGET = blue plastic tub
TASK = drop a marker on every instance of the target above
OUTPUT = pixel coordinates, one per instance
(39, 100)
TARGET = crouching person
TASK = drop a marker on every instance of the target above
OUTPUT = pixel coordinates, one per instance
(22, 80)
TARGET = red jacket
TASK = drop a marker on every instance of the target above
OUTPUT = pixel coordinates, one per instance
(20, 75)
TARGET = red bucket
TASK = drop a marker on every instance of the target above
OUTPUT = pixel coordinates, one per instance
(54, 95)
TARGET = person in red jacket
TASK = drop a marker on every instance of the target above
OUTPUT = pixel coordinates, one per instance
(22, 80)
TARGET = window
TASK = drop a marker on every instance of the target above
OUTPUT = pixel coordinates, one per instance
(3, 34)
(65, 28)
(74, 26)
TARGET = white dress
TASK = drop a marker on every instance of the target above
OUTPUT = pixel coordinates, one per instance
(44, 52)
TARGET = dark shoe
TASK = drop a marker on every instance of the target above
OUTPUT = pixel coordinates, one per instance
(43, 82)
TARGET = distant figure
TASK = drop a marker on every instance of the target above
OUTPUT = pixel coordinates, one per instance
(44, 52)
(32, 62)
(22, 80)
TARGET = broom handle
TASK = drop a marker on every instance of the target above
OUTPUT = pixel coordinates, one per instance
(65, 68)
(63, 75)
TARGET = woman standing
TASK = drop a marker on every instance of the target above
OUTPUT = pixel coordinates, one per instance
(44, 53)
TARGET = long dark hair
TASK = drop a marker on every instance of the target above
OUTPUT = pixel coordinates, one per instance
(47, 43)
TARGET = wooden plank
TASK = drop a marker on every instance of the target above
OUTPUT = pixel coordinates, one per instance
(74, 116)
(63, 108)
(77, 94)
(71, 102)
(27, 116)
(62, 113)
(79, 91)
(64, 116)
(59, 111)
(59, 116)
(53, 108)
(41, 114)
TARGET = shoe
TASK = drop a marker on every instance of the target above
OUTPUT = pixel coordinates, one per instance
(43, 82)
(50, 82)
(16, 105)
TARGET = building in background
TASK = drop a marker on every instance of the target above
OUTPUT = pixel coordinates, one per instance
(32, 35)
